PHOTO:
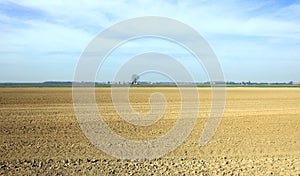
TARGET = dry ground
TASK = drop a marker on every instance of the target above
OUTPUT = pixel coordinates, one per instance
(259, 134)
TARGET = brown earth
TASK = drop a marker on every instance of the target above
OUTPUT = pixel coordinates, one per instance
(259, 134)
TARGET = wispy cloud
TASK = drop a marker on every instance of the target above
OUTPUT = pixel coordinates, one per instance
(246, 35)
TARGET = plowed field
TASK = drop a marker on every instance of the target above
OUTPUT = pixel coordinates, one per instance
(259, 134)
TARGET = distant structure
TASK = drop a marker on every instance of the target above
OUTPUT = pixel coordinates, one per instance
(134, 79)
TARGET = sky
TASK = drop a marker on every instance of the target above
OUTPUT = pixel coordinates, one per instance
(255, 40)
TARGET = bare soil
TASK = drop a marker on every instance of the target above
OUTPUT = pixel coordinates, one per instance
(259, 134)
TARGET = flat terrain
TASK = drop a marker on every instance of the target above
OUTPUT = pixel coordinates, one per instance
(259, 134)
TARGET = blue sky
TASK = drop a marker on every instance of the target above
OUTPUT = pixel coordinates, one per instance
(254, 40)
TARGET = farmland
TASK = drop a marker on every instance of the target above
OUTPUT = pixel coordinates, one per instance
(259, 133)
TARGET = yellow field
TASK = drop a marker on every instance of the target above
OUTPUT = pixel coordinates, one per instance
(259, 134)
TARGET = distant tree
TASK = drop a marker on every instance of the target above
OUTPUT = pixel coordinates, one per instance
(134, 79)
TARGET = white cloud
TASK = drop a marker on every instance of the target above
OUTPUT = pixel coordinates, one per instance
(237, 29)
